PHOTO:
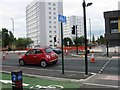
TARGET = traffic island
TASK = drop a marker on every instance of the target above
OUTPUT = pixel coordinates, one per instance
(35, 82)
(78, 55)
(70, 76)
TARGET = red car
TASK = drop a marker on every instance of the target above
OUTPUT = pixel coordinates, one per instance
(42, 56)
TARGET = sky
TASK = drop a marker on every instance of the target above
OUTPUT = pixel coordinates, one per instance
(15, 9)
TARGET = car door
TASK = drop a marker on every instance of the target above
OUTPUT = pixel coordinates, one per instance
(30, 57)
(39, 56)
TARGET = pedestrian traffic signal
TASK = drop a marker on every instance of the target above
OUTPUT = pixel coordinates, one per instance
(73, 29)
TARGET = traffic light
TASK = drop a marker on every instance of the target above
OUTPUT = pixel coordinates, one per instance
(54, 39)
(73, 29)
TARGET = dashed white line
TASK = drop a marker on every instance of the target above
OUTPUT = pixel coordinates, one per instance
(100, 71)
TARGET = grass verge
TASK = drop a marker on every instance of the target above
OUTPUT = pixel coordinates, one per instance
(37, 82)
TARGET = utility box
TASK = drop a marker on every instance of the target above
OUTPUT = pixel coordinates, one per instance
(16, 76)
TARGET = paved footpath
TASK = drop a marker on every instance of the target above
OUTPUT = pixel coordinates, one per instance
(104, 80)
(71, 76)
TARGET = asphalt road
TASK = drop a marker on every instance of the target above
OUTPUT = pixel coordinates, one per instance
(102, 64)
(106, 68)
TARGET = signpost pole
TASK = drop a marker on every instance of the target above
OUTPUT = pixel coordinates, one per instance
(62, 19)
(62, 48)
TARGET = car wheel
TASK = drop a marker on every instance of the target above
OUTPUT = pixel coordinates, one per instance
(22, 63)
(43, 63)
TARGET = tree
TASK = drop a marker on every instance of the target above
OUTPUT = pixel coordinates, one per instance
(101, 40)
(80, 40)
(7, 38)
(22, 43)
(66, 40)
(93, 39)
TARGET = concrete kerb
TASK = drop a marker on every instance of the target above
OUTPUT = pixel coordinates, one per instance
(55, 78)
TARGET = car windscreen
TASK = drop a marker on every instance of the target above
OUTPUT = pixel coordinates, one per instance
(48, 50)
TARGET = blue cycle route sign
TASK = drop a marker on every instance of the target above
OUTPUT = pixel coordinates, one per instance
(61, 18)
(14, 77)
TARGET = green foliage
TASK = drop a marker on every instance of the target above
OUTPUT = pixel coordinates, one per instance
(80, 40)
(101, 40)
(7, 38)
(23, 42)
(66, 40)
(93, 39)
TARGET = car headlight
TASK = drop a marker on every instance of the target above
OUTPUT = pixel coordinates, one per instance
(48, 56)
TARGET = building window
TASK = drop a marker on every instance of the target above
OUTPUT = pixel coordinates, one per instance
(50, 31)
(49, 3)
(50, 40)
(53, 4)
(54, 22)
(54, 8)
(114, 30)
(50, 36)
(49, 17)
(49, 8)
(54, 13)
(54, 17)
(50, 22)
(114, 21)
(49, 12)
(50, 26)
(54, 26)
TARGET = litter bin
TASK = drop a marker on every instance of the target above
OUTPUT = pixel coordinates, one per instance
(16, 76)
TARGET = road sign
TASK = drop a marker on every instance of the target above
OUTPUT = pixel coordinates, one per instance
(61, 18)
(17, 80)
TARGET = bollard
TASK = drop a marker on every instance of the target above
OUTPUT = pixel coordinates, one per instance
(7, 52)
(19, 53)
(17, 80)
(3, 57)
(92, 57)
(66, 52)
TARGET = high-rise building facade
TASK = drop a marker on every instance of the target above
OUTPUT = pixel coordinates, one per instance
(119, 5)
(74, 20)
(42, 22)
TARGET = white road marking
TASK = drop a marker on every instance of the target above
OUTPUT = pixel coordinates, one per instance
(100, 71)
(116, 57)
(109, 77)
(101, 85)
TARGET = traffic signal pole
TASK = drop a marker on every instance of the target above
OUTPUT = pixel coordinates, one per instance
(107, 49)
(85, 35)
(76, 41)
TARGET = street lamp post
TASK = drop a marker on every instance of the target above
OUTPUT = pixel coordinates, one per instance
(90, 29)
(12, 29)
(85, 35)
(12, 25)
